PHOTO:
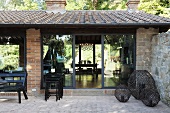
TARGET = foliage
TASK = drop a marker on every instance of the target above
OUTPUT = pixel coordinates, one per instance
(27, 5)
(9, 67)
(156, 7)
(56, 48)
(41, 4)
(95, 4)
(9, 56)
(1, 63)
(3, 4)
(22, 4)
(57, 45)
(68, 48)
(75, 5)
(59, 49)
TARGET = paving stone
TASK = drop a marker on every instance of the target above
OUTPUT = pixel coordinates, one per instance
(78, 104)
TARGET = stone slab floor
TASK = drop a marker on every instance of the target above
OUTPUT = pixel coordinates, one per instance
(77, 104)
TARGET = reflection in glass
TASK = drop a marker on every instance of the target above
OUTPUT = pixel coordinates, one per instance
(57, 56)
(118, 59)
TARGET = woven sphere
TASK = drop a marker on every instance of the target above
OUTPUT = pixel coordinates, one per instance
(140, 79)
(150, 97)
(122, 93)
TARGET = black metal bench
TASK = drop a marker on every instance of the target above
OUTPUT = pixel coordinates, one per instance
(14, 82)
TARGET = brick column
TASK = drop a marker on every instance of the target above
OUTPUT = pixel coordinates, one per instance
(143, 48)
(33, 61)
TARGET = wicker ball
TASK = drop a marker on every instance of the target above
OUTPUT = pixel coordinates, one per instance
(122, 93)
(139, 80)
(150, 97)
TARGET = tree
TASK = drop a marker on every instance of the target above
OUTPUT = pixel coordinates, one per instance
(3, 4)
(28, 5)
(41, 4)
(1, 63)
(9, 56)
(106, 4)
(156, 7)
(22, 4)
(76, 5)
(95, 4)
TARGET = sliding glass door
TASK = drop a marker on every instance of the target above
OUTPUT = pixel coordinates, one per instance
(90, 61)
(118, 59)
(87, 61)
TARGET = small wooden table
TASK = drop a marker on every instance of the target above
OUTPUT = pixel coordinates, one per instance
(87, 65)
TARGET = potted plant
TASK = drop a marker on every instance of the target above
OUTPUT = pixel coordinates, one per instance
(56, 48)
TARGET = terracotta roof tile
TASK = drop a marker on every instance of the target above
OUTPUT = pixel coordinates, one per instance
(80, 17)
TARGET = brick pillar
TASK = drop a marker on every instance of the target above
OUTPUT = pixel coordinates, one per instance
(143, 48)
(33, 61)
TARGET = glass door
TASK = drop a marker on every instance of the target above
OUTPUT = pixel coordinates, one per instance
(88, 61)
(118, 59)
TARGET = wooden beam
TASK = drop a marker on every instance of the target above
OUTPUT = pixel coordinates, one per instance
(88, 31)
(12, 31)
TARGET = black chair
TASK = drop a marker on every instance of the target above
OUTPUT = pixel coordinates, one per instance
(54, 81)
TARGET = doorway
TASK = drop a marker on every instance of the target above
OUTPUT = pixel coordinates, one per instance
(88, 61)
(113, 55)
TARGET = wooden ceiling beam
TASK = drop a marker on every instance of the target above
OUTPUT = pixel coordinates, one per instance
(88, 31)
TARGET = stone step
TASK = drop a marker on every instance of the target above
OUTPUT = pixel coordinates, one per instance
(88, 92)
(71, 92)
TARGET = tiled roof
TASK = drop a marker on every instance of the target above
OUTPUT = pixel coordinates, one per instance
(102, 17)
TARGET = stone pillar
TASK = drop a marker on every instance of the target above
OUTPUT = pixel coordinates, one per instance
(160, 69)
(33, 61)
(143, 48)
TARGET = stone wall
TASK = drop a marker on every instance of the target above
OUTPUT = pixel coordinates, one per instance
(143, 48)
(160, 68)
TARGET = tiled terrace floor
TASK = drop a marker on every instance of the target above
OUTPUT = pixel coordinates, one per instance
(77, 104)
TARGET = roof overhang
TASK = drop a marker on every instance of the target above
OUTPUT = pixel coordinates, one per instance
(117, 25)
(69, 28)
